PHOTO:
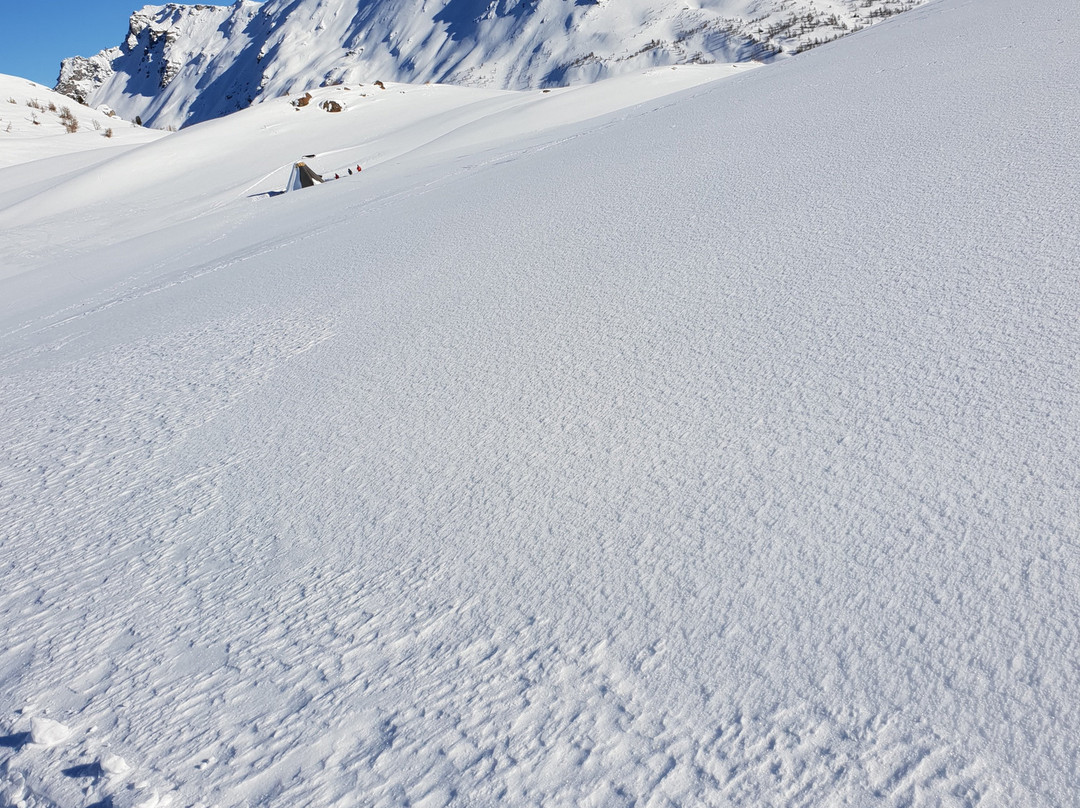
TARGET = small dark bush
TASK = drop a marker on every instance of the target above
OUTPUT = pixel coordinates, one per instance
(68, 119)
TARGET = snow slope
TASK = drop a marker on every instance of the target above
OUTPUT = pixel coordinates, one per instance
(401, 134)
(31, 126)
(182, 64)
(716, 451)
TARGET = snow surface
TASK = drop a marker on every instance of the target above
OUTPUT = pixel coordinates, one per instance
(720, 450)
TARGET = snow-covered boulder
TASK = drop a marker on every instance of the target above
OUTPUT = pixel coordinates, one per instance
(111, 763)
(47, 732)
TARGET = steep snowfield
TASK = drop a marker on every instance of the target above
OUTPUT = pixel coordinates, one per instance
(32, 126)
(181, 64)
(717, 451)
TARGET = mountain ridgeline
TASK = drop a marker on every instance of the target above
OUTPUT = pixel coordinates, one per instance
(181, 64)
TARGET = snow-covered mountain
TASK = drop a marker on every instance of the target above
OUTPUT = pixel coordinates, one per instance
(181, 64)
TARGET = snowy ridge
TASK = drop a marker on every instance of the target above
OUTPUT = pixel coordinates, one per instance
(183, 64)
(36, 122)
(719, 446)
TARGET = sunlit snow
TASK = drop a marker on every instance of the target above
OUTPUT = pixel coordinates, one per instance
(38, 123)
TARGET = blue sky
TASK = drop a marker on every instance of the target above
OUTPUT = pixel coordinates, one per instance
(34, 37)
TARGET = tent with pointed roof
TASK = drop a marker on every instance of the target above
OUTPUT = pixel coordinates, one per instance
(302, 177)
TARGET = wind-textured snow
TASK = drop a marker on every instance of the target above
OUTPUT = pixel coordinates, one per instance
(721, 450)
(182, 64)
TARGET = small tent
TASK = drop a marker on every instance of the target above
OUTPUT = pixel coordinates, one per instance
(302, 177)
